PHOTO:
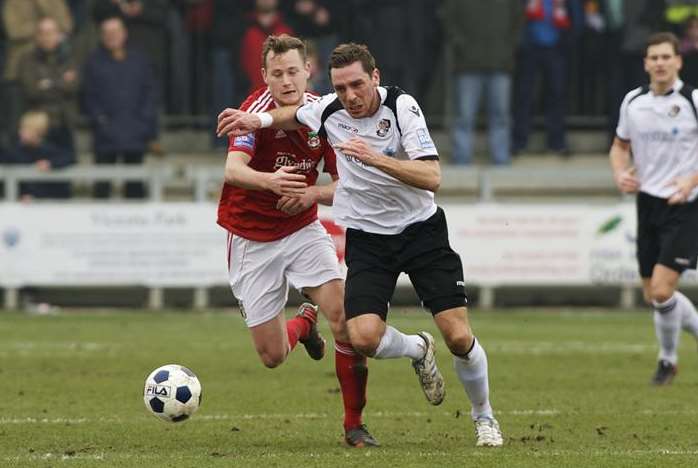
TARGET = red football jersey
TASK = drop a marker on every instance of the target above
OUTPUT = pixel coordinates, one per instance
(252, 214)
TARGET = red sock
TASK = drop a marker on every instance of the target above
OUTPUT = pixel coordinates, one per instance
(352, 374)
(296, 328)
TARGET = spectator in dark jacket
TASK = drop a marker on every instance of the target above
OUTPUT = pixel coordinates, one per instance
(120, 102)
(545, 49)
(146, 23)
(32, 149)
(48, 77)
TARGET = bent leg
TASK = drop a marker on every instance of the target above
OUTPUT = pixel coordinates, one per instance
(667, 320)
(271, 341)
(350, 366)
(372, 337)
(469, 359)
(329, 297)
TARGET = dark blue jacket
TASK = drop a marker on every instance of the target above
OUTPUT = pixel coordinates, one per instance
(120, 101)
(59, 158)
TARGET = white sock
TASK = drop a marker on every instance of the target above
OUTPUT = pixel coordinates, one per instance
(472, 372)
(689, 316)
(667, 325)
(395, 344)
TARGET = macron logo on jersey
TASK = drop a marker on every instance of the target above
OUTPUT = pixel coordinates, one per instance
(245, 140)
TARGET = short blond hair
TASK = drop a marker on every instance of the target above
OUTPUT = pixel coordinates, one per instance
(35, 120)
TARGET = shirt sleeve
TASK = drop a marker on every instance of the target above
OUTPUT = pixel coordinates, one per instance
(415, 139)
(310, 113)
(622, 130)
(245, 143)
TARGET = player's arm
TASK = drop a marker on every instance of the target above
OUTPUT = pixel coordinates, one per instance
(683, 186)
(234, 122)
(424, 173)
(283, 182)
(623, 170)
(322, 194)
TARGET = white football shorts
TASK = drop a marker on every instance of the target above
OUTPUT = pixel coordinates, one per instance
(260, 272)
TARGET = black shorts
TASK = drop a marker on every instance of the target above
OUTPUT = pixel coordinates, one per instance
(666, 234)
(422, 251)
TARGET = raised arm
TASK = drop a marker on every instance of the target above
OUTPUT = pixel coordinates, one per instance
(234, 122)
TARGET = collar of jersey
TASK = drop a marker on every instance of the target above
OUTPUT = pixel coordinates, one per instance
(678, 84)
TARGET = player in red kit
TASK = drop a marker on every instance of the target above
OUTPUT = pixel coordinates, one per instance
(269, 207)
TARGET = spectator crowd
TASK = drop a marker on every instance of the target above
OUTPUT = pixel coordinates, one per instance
(117, 66)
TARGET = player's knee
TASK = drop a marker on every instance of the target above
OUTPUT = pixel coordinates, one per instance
(365, 343)
(660, 293)
(459, 341)
(272, 359)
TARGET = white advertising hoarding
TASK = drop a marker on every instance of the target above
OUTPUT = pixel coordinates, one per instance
(179, 244)
(162, 244)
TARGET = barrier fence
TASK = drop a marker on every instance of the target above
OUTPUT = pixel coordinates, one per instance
(161, 244)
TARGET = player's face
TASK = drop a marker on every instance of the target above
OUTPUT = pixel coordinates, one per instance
(356, 89)
(662, 63)
(287, 77)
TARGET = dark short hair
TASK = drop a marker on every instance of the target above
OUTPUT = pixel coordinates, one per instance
(346, 54)
(115, 16)
(664, 38)
(282, 44)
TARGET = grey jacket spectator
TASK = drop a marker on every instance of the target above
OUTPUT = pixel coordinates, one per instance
(21, 18)
(120, 100)
(48, 76)
(481, 38)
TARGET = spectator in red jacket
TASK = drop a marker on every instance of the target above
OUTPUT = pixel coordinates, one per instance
(266, 20)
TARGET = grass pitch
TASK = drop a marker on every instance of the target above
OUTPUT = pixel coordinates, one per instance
(570, 388)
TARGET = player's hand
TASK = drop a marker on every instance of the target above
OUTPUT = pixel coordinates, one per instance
(294, 205)
(684, 186)
(284, 182)
(234, 122)
(43, 165)
(359, 149)
(626, 181)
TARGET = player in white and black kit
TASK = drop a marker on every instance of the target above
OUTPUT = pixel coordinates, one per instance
(388, 172)
(655, 153)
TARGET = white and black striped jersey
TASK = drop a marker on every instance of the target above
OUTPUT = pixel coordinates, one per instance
(663, 135)
(367, 198)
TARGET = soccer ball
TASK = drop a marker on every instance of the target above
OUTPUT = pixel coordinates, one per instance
(172, 393)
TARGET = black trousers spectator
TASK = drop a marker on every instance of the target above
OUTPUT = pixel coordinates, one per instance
(132, 190)
(550, 62)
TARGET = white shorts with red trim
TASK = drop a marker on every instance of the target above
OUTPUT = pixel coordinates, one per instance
(260, 272)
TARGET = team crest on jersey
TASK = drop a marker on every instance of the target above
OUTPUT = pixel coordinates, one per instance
(383, 127)
(674, 111)
(313, 140)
